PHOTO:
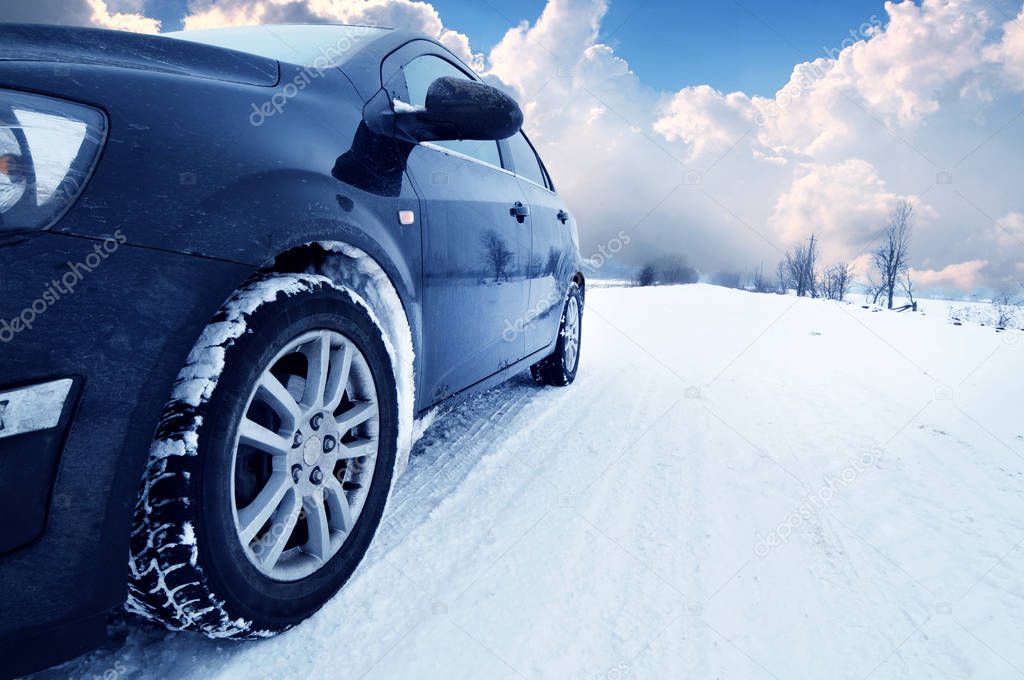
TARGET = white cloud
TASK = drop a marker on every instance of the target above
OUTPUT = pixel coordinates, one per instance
(122, 21)
(403, 14)
(705, 119)
(1009, 231)
(902, 71)
(529, 56)
(1009, 52)
(964, 276)
(843, 203)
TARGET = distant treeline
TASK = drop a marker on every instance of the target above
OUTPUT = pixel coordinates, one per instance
(667, 270)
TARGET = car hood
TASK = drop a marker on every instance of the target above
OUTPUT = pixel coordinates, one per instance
(72, 45)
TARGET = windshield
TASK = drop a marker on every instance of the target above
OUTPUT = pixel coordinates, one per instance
(303, 45)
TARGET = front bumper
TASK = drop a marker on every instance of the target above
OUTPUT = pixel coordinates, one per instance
(121, 333)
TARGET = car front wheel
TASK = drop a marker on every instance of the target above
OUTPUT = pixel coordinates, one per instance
(262, 496)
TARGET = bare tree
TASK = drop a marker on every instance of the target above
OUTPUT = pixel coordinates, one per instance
(872, 290)
(782, 282)
(835, 282)
(809, 258)
(800, 264)
(890, 257)
(759, 281)
(646, 276)
(1006, 305)
(908, 288)
(496, 254)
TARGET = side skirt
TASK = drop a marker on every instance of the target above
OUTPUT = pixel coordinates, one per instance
(494, 380)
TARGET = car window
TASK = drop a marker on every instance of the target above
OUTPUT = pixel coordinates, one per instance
(420, 73)
(525, 159)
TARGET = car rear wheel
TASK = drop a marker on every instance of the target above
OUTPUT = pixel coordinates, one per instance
(260, 502)
(559, 369)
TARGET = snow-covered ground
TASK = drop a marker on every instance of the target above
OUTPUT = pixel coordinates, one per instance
(979, 312)
(976, 312)
(737, 486)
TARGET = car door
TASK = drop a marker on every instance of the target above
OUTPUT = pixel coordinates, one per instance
(475, 250)
(552, 257)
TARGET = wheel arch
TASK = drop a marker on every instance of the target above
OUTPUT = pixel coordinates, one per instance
(337, 259)
(580, 281)
(394, 306)
(165, 536)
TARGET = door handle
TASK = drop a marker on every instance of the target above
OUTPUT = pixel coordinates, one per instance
(519, 211)
(563, 216)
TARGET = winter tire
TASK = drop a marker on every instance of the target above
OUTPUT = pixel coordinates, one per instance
(259, 501)
(559, 368)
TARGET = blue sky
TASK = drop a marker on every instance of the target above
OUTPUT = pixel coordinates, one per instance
(750, 46)
(670, 44)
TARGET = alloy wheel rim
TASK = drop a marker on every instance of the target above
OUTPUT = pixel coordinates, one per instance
(572, 333)
(304, 455)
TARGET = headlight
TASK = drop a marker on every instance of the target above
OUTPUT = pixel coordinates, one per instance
(48, 148)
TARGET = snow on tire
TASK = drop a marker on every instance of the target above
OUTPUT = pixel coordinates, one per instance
(271, 465)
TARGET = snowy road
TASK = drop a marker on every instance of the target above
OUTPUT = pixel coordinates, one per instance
(737, 486)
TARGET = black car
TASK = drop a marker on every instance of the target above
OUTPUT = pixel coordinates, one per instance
(235, 265)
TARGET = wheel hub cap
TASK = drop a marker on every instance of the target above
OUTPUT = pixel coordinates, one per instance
(572, 333)
(311, 450)
(305, 455)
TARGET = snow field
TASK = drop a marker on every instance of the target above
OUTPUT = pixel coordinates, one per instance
(737, 485)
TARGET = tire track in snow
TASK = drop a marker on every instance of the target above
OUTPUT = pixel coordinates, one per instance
(438, 458)
(669, 527)
(451, 447)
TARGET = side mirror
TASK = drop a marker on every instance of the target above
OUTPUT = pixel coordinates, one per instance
(461, 109)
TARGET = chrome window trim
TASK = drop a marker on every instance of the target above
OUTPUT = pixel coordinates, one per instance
(456, 154)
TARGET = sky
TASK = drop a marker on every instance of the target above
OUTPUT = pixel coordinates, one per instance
(730, 131)
(674, 44)
(732, 46)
